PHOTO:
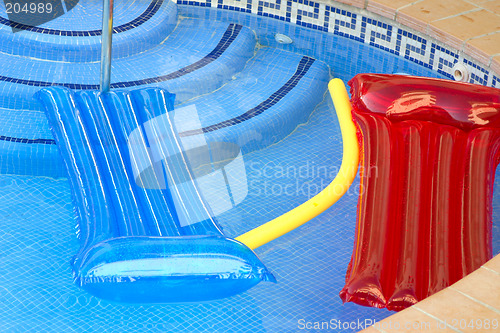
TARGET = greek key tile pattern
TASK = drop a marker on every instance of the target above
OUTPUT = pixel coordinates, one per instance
(377, 32)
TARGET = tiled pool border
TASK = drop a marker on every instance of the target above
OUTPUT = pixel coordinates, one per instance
(366, 27)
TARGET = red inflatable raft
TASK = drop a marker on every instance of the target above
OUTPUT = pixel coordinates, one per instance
(430, 149)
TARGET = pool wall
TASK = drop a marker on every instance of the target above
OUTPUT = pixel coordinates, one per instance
(356, 22)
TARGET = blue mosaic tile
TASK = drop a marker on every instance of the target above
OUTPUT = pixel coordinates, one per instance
(277, 9)
(443, 60)
(380, 35)
(28, 141)
(478, 74)
(364, 29)
(345, 24)
(201, 3)
(414, 48)
(235, 5)
(226, 40)
(496, 81)
(144, 17)
(311, 15)
(302, 68)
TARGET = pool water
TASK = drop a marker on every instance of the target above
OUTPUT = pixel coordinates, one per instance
(37, 233)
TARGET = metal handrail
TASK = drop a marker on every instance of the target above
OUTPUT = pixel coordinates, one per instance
(107, 37)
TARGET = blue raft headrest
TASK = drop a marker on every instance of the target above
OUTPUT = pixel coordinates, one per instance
(169, 269)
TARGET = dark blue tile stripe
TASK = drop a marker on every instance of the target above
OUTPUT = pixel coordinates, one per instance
(227, 39)
(302, 68)
(229, 36)
(144, 17)
(48, 84)
(22, 140)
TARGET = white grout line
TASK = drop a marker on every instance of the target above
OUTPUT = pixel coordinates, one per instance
(483, 35)
(489, 269)
(490, 59)
(436, 318)
(403, 7)
(379, 329)
(459, 14)
(489, 10)
(472, 3)
(480, 5)
(410, 4)
(476, 300)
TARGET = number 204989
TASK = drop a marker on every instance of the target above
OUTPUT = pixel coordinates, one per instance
(32, 8)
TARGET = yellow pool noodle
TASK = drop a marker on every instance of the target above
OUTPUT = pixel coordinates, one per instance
(330, 194)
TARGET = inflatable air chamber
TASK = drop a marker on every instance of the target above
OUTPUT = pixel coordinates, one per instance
(430, 149)
(147, 233)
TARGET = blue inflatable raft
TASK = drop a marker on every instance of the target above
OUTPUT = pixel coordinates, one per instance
(147, 233)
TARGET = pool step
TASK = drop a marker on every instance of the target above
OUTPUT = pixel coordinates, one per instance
(197, 58)
(76, 35)
(27, 146)
(276, 92)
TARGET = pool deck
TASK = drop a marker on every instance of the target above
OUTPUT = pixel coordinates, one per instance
(463, 307)
(472, 27)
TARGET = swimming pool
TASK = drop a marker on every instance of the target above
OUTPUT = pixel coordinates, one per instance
(37, 220)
